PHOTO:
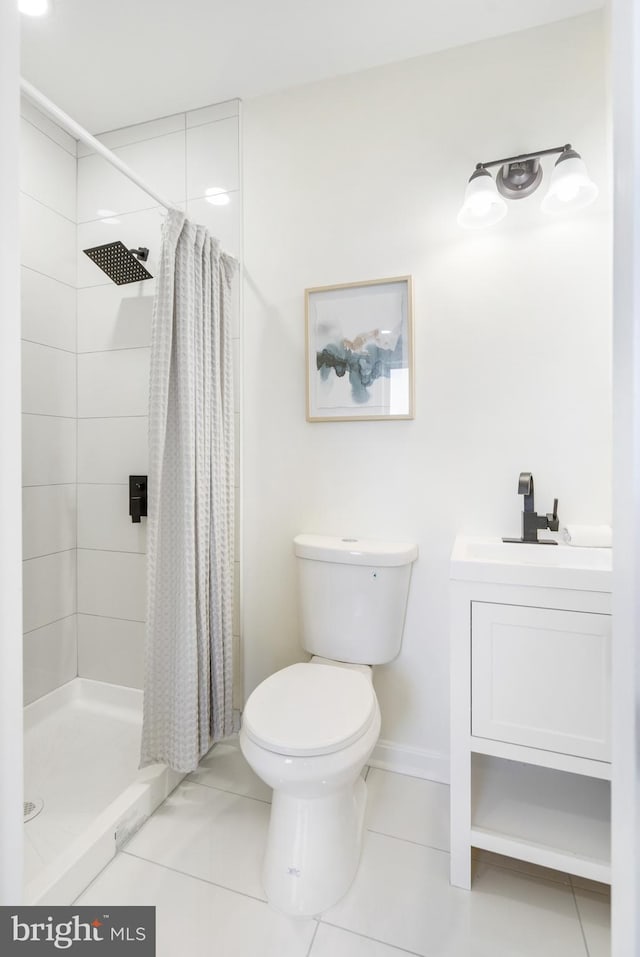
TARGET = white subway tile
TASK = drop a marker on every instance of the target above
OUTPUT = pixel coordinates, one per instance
(49, 658)
(48, 450)
(126, 135)
(223, 222)
(46, 125)
(141, 228)
(104, 521)
(112, 584)
(115, 317)
(210, 114)
(47, 171)
(110, 649)
(213, 157)
(160, 162)
(110, 450)
(49, 589)
(48, 519)
(48, 241)
(113, 383)
(48, 380)
(48, 310)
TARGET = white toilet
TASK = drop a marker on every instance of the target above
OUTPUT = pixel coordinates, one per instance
(309, 729)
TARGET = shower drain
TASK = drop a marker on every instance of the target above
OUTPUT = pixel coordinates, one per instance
(32, 809)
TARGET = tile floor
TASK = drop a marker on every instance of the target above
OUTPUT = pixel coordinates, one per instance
(198, 860)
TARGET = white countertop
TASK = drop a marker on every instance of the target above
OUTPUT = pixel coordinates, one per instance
(549, 566)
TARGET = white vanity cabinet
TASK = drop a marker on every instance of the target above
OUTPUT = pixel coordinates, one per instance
(530, 705)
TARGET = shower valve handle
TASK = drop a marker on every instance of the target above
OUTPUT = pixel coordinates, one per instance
(137, 497)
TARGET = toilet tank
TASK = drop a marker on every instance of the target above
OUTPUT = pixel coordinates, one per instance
(353, 596)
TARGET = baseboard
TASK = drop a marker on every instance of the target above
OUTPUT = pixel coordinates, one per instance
(403, 759)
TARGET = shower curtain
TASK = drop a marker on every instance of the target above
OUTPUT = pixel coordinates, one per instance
(188, 656)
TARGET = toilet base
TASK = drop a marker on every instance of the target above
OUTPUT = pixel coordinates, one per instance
(313, 849)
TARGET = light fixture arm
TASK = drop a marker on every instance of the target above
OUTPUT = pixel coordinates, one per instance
(524, 157)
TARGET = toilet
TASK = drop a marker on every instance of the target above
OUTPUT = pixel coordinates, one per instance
(309, 729)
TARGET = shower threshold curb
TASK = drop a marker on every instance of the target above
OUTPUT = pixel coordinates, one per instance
(62, 880)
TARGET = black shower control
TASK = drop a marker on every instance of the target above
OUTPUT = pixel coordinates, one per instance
(137, 497)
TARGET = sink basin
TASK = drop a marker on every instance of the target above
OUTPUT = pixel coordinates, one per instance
(553, 566)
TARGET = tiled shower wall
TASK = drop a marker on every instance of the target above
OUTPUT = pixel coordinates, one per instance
(48, 257)
(182, 157)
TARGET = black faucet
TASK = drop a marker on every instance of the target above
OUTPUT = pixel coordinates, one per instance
(531, 521)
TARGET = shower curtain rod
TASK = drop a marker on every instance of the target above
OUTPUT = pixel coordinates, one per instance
(79, 133)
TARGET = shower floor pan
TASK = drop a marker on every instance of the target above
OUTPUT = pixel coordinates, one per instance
(81, 752)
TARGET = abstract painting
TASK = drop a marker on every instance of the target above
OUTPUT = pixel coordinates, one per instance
(360, 351)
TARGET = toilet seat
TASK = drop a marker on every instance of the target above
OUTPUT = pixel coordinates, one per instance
(310, 709)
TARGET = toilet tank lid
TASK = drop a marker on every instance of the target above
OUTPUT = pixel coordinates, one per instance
(354, 551)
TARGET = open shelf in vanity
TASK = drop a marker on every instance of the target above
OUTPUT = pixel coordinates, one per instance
(530, 706)
(553, 818)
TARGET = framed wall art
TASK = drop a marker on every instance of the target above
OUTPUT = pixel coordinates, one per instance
(360, 351)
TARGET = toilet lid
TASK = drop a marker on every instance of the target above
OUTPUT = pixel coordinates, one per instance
(308, 709)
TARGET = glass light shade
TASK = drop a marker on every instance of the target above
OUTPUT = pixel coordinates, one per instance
(483, 205)
(570, 187)
(33, 8)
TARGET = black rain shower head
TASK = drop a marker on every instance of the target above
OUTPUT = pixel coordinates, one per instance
(119, 263)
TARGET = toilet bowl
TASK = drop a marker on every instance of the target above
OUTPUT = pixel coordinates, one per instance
(309, 729)
(308, 734)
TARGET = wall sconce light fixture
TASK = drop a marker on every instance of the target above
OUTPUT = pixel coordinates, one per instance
(570, 187)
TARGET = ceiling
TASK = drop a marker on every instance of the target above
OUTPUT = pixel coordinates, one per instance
(110, 63)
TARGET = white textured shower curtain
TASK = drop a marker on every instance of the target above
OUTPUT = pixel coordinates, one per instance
(188, 657)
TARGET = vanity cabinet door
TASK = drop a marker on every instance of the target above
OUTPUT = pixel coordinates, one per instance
(541, 677)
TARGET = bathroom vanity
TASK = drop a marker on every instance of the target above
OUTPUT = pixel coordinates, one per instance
(530, 705)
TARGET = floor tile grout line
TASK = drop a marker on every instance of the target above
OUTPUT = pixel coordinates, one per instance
(407, 840)
(214, 787)
(563, 877)
(578, 915)
(315, 934)
(194, 877)
(376, 940)
(530, 875)
(481, 863)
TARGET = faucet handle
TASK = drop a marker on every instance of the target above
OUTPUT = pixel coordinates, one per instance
(553, 522)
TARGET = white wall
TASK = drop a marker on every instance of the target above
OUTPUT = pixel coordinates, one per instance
(48, 279)
(181, 157)
(361, 177)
